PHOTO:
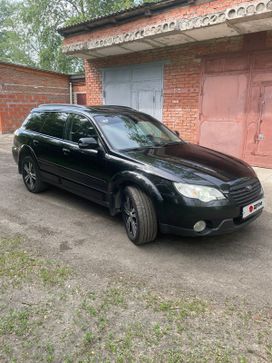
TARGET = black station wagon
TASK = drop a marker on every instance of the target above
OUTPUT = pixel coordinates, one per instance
(133, 164)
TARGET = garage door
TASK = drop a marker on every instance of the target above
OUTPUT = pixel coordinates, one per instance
(223, 112)
(140, 87)
(236, 111)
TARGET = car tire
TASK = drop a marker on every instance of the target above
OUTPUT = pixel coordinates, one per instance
(31, 175)
(139, 216)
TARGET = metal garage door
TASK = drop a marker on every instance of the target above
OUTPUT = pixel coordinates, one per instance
(224, 98)
(236, 111)
(139, 87)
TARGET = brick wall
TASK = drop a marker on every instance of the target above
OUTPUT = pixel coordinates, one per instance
(182, 70)
(182, 79)
(78, 87)
(23, 88)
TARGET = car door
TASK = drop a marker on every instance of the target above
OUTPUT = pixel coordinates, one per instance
(48, 145)
(86, 169)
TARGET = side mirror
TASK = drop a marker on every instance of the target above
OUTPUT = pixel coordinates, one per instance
(88, 143)
(177, 133)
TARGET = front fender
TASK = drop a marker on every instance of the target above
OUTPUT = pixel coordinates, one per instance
(125, 178)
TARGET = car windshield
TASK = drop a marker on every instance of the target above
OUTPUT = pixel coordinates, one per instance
(129, 132)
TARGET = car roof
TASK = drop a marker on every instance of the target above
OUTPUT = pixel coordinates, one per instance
(63, 107)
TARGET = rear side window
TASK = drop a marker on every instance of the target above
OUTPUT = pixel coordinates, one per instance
(54, 124)
(34, 122)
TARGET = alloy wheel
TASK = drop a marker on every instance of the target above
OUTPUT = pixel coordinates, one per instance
(30, 176)
(130, 217)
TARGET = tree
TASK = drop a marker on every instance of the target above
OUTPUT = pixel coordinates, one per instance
(92, 8)
(41, 18)
(28, 29)
(13, 45)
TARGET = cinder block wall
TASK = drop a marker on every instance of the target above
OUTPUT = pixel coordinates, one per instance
(23, 88)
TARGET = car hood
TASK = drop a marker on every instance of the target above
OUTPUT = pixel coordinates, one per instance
(189, 163)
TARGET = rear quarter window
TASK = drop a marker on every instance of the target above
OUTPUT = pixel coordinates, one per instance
(54, 124)
(34, 122)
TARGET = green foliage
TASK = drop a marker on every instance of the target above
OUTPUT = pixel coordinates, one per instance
(41, 18)
(28, 29)
(13, 46)
(93, 8)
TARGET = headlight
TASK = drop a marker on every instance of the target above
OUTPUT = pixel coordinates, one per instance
(203, 193)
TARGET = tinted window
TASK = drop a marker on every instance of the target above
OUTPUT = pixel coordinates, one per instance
(34, 122)
(54, 124)
(80, 127)
(135, 131)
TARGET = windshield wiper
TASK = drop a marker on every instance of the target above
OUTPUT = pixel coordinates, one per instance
(154, 146)
(137, 148)
(143, 147)
(169, 143)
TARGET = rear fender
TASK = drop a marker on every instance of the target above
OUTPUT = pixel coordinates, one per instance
(24, 151)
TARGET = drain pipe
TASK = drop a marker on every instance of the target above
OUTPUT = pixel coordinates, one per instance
(71, 92)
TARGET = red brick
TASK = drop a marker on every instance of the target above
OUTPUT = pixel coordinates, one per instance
(23, 88)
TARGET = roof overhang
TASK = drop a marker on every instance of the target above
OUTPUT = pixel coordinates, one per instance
(77, 78)
(248, 17)
(123, 16)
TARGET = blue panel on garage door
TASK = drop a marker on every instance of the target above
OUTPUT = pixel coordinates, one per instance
(139, 87)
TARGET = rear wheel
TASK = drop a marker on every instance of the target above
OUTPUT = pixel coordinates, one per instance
(31, 175)
(139, 216)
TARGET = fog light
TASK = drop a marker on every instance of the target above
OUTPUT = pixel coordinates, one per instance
(200, 226)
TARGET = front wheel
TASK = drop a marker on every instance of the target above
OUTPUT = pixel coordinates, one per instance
(31, 175)
(139, 216)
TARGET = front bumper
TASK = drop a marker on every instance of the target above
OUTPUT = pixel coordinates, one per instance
(225, 226)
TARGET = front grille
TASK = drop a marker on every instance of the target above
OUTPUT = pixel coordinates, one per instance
(246, 192)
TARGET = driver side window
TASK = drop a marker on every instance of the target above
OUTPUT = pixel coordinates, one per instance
(79, 127)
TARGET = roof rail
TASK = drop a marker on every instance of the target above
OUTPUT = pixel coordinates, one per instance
(62, 104)
(117, 106)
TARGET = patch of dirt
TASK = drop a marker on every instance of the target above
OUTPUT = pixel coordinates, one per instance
(50, 311)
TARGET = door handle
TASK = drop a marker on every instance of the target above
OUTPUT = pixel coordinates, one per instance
(66, 151)
(35, 142)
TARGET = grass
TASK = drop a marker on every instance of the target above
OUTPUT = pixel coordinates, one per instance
(18, 266)
(89, 338)
(113, 297)
(54, 275)
(50, 356)
(119, 322)
(177, 309)
(15, 322)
